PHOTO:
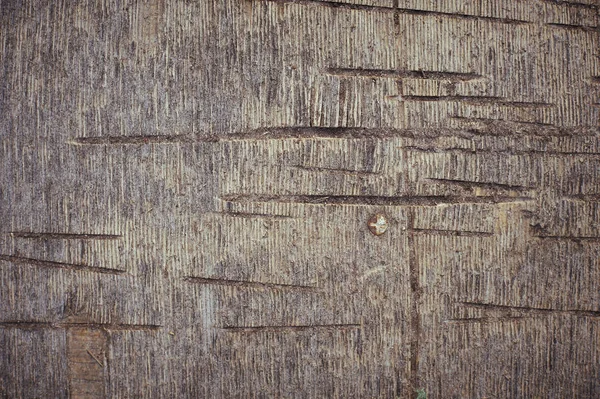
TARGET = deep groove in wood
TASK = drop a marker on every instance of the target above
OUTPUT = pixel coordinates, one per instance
(481, 100)
(410, 11)
(568, 238)
(374, 200)
(291, 328)
(584, 28)
(313, 132)
(37, 325)
(416, 291)
(249, 215)
(58, 265)
(468, 184)
(64, 236)
(249, 284)
(507, 121)
(269, 133)
(572, 4)
(458, 233)
(397, 73)
(583, 197)
(532, 310)
(460, 150)
(335, 170)
(325, 132)
(415, 11)
(127, 140)
(485, 320)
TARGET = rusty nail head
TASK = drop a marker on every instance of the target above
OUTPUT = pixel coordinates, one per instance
(378, 224)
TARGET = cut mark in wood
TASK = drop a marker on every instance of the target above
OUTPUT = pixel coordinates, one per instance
(249, 215)
(415, 11)
(132, 140)
(269, 133)
(410, 11)
(458, 233)
(416, 292)
(19, 260)
(249, 284)
(480, 100)
(374, 200)
(572, 4)
(502, 121)
(507, 127)
(468, 184)
(292, 328)
(336, 170)
(485, 320)
(317, 132)
(471, 151)
(95, 358)
(397, 73)
(39, 325)
(527, 310)
(584, 28)
(87, 372)
(568, 238)
(64, 236)
(583, 197)
(326, 132)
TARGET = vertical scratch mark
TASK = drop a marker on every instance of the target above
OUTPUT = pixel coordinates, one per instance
(397, 18)
(415, 320)
(342, 103)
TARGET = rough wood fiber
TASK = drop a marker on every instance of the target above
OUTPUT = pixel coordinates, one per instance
(185, 188)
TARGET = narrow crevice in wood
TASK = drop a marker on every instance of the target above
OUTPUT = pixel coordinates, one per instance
(375, 200)
(19, 260)
(38, 325)
(461, 150)
(583, 197)
(459, 233)
(250, 215)
(533, 310)
(503, 121)
(335, 170)
(127, 140)
(64, 236)
(568, 238)
(573, 4)
(468, 184)
(410, 11)
(416, 292)
(249, 284)
(397, 73)
(291, 328)
(481, 100)
(584, 28)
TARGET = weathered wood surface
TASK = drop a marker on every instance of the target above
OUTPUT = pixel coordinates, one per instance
(185, 188)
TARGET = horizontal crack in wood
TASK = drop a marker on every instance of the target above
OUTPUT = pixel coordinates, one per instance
(33, 325)
(374, 200)
(291, 328)
(459, 233)
(249, 284)
(396, 73)
(532, 310)
(58, 265)
(64, 236)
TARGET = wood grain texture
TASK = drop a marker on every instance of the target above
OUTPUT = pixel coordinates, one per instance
(185, 189)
